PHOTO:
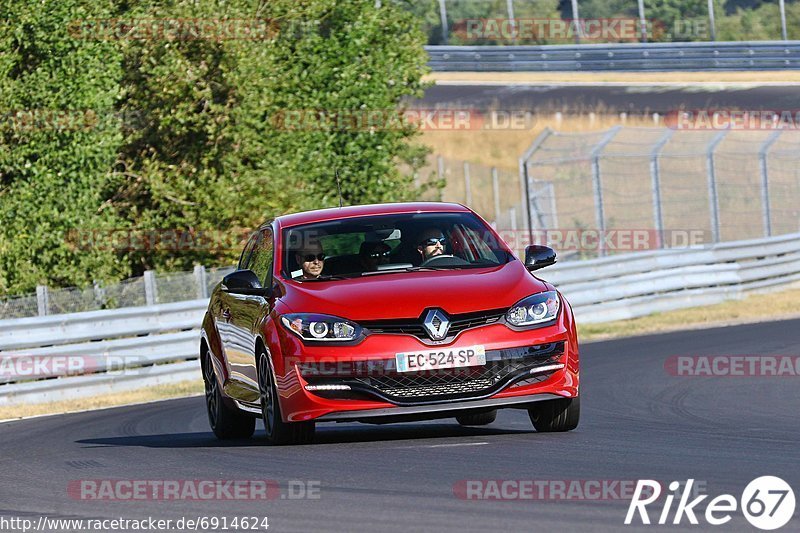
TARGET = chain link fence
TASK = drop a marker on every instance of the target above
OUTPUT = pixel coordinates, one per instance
(152, 288)
(531, 22)
(713, 185)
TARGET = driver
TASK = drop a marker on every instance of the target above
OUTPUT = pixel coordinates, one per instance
(311, 260)
(431, 243)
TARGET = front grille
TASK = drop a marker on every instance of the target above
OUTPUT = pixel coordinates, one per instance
(502, 368)
(413, 326)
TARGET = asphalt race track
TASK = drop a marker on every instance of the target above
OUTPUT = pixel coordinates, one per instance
(629, 97)
(638, 422)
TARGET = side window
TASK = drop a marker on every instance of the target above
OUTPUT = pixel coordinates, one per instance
(248, 249)
(261, 260)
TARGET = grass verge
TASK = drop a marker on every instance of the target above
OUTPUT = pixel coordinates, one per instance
(751, 309)
(159, 392)
(502, 148)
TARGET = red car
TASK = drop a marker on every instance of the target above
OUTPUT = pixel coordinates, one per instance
(386, 313)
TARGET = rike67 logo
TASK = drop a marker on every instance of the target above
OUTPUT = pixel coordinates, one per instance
(767, 503)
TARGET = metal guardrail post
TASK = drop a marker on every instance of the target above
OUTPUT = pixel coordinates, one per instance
(201, 280)
(597, 184)
(713, 198)
(150, 289)
(42, 300)
(467, 185)
(496, 194)
(763, 167)
(655, 175)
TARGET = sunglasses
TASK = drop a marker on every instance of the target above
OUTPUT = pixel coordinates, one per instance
(310, 257)
(434, 241)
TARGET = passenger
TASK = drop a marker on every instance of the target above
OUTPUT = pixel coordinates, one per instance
(431, 243)
(311, 260)
(373, 253)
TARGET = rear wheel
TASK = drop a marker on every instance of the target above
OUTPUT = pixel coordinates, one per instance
(477, 419)
(225, 422)
(278, 432)
(556, 415)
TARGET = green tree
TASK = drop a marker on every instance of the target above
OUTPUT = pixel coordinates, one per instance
(58, 138)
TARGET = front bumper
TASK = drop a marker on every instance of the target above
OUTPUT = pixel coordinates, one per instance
(522, 367)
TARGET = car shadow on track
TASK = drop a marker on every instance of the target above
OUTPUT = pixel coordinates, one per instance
(352, 433)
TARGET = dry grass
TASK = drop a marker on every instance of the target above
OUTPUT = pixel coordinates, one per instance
(785, 304)
(159, 392)
(502, 148)
(640, 77)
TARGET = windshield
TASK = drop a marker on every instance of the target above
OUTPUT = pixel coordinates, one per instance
(389, 243)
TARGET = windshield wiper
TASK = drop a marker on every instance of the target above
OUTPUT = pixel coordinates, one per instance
(325, 277)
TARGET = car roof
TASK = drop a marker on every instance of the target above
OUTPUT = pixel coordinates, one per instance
(336, 213)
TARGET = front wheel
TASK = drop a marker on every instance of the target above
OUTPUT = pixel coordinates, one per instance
(225, 422)
(562, 414)
(278, 431)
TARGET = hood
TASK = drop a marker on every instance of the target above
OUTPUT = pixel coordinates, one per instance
(408, 294)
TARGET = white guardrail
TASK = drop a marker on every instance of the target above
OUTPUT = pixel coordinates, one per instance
(63, 357)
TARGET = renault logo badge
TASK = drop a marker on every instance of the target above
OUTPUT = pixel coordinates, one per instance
(436, 324)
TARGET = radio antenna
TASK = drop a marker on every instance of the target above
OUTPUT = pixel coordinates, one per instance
(338, 186)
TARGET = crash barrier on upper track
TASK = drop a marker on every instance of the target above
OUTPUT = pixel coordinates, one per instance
(763, 55)
(121, 349)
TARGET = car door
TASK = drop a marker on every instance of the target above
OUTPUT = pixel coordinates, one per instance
(246, 314)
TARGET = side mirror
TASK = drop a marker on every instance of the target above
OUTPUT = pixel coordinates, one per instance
(538, 256)
(243, 282)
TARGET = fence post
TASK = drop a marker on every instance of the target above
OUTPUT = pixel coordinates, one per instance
(597, 185)
(496, 194)
(642, 22)
(713, 199)
(782, 6)
(150, 289)
(42, 300)
(712, 25)
(443, 15)
(510, 9)
(467, 185)
(523, 176)
(200, 280)
(577, 22)
(655, 175)
(763, 166)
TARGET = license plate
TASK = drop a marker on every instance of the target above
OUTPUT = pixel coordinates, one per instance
(438, 359)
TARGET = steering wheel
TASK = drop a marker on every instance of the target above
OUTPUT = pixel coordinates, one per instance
(444, 260)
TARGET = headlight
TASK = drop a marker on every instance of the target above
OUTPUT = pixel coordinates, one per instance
(312, 327)
(536, 309)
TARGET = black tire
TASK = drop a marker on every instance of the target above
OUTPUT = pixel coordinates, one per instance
(477, 419)
(278, 432)
(556, 415)
(226, 422)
